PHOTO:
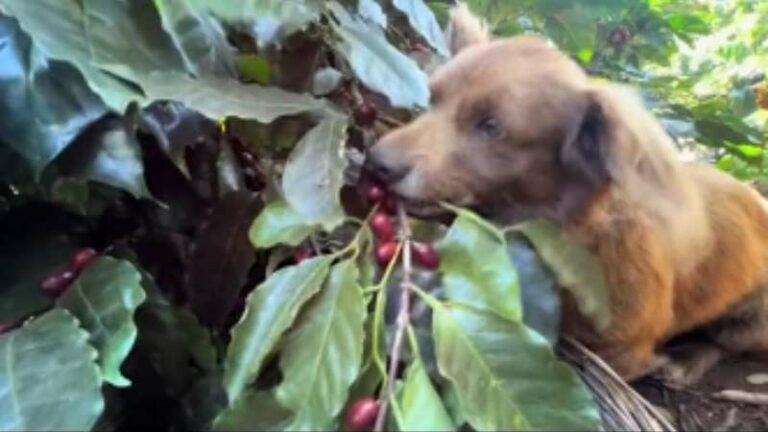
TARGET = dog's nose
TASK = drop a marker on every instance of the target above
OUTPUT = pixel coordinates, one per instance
(382, 166)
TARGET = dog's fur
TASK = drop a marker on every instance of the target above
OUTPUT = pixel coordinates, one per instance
(517, 130)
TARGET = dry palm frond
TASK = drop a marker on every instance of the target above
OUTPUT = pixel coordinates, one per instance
(621, 407)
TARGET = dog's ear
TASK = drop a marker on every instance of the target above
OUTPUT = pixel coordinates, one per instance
(585, 152)
(465, 28)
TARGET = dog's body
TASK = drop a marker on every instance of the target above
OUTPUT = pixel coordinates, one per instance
(517, 130)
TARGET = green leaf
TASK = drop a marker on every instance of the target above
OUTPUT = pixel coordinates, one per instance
(218, 98)
(107, 152)
(574, 29)
(538, 290)
(48, 377)
(322, 355)
(277, 224)
(378, 64)
(575, 269)
(372, 11)
(85, 34)
(423, 410)
(684, 23)
(198, 37)
(506, 376)
(254, 411)
(424, 22)
(270, 310)
(749, 152)
(104, 298)
(477, 269)
(314, 173)
(44, 104)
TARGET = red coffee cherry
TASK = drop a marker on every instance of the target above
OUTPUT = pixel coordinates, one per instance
(365, 113)
(383, 227)
(81, 259)
(425, 255)
(361, 415)
(385, 252)
(57, 283)
(301, 254)
(375, 194)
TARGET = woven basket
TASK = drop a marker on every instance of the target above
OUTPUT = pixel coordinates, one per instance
(621, 407)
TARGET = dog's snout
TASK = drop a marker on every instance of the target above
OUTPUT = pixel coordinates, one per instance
(384, 167)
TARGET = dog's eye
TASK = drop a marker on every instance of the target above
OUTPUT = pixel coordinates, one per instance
(489, 128)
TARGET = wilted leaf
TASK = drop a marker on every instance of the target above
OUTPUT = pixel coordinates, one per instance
(222, 256)
(106, 152)
(34, 395)
(198, 37)
(278, 223)
(506, 376)
(254, 411)
(477, 269)
(372, 11)
(575, 269)
(314, 173)
(44, 103)
(378, 64)
(218, 98)
(270, 310)
(423, 21)
(322, 354)
(104, 298)
(423, 410)
(538, 291)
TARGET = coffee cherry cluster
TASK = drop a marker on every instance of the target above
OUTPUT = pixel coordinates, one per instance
(383, 227)
(55, 284)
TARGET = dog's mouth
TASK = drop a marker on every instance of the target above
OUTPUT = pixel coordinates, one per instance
(428, 210)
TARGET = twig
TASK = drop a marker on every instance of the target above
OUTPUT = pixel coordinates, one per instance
(403, 320)
(742, 396)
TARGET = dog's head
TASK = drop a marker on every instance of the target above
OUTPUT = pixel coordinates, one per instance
(515, 130)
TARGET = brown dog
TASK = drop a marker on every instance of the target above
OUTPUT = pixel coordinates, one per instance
(517, 130)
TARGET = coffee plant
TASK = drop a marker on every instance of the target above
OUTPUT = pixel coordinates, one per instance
(186, 242)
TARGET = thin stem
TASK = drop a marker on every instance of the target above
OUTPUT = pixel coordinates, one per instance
(402, 323)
